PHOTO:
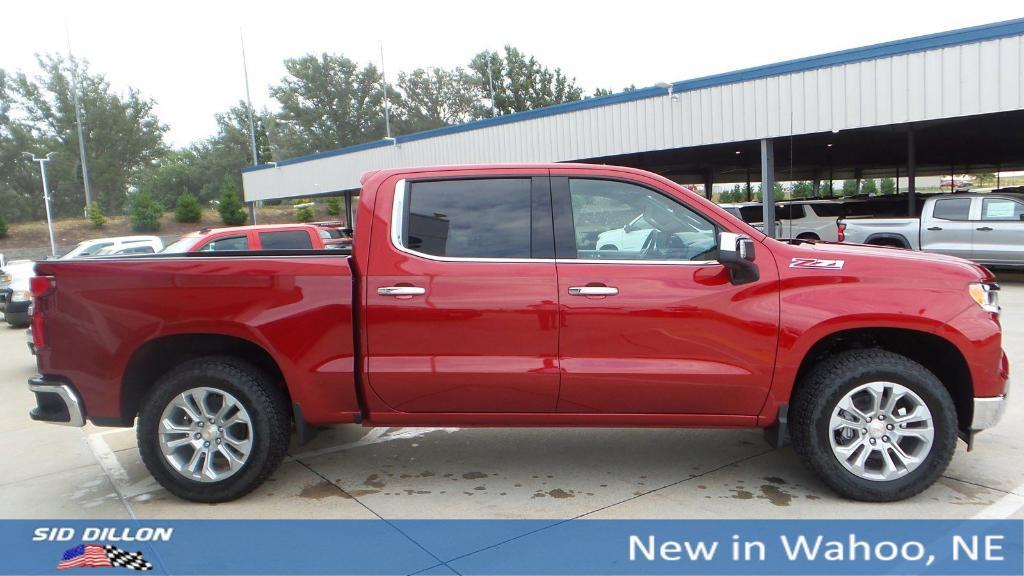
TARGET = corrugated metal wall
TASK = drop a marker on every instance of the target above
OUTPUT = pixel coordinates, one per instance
(961, 80)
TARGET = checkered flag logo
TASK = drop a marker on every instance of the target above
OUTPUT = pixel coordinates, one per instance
(106, 556)
(124, 559)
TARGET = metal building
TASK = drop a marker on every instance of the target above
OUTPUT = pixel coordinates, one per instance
(952, 101)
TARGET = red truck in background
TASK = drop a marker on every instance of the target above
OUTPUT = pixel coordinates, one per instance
(259, 237)
(478, 296)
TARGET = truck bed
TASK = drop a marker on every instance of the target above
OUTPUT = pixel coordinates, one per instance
(110, 317)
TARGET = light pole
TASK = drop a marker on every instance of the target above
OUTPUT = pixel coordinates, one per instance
(46, 196)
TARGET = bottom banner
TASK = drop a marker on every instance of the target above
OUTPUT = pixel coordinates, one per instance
(720, 547)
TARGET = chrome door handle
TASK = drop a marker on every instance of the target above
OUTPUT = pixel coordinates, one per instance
(401, 291)
(593, 291)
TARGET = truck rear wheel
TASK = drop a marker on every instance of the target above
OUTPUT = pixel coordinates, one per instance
(213, 429)
(874, 425)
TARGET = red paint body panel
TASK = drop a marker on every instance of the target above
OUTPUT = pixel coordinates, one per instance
(502, 343)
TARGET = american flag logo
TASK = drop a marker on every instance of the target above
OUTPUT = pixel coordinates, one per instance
(102, 556)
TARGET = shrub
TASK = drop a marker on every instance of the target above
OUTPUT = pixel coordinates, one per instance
(3, 227)
(144, 212)
(188, 209)
(231, 209)
(304, 211)
(333, 206)
(96, 217)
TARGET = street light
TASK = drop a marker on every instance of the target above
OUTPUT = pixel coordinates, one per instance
(46, 196)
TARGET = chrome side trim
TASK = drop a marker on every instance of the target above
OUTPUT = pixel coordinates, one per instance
(593, 291)
(401, 291)
(988, 412)
(398, 220)
(75, 414)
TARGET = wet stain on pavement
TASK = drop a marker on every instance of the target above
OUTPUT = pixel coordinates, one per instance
(474, 475)
(741, 494)
(323, 490)
(374, 481)
(774, 495)
(775, 479)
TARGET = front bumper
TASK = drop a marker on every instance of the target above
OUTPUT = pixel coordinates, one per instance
(56, 403)
(988, 412)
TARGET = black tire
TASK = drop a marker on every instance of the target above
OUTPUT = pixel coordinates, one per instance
(270, 420)
(829, 381)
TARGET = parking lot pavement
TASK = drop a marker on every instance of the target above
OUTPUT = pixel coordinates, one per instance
(350, 472)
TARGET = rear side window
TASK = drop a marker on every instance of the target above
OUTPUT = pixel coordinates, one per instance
(1001, 209)
(286, 240)
(789, 211)
(828, 210)
(231, 243)
(487, 218)
(95, 248)
(952, 209)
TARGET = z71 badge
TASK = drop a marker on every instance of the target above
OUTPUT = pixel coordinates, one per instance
(815, 263)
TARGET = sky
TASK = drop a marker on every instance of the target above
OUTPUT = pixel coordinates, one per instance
(186, 55)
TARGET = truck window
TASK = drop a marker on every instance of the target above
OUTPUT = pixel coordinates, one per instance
(286, 240)
(952, 208)
(91, 250)
(620, 221)
(1001, 209)
(828, 210)
(486, 218)
(789, 211)
(231, 243)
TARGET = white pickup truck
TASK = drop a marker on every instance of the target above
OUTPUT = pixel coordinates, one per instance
(985, 227)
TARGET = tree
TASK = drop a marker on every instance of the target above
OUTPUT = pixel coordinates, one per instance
(520, 83)
(888, 186)
(327, 102)
(123, 133)
(850, 187)
(144, 212)
(188, 209)
(333, 206)
(435, 97)
(96, 217)
(3, 227)
(304, 211)
(802, 189)
(869, 187)
(231, 209)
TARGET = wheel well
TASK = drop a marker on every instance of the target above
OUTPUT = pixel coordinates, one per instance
(888, 240)
(156, 357)
(810, 235)
(936, 354)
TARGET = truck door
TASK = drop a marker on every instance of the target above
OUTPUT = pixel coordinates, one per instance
(659, 330)
(461, 296)
(999, 235)
(946, 227)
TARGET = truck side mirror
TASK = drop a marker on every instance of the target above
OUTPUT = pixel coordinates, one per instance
(736, 253)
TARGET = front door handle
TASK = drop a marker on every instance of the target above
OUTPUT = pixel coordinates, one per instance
(401, 291)
(593, 291)
(935, 228)
(984, 229)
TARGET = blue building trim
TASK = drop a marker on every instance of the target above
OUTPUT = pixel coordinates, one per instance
(894, 48)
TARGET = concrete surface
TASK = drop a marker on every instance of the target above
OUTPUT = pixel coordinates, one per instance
(349, 472)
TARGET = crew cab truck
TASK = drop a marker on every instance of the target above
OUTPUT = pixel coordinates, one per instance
(257, 237)
(985, 227)
(470, 300)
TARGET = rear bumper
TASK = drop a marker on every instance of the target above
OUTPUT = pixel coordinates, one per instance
(56, 403)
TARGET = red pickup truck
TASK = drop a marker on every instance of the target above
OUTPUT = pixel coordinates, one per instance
(481, 296)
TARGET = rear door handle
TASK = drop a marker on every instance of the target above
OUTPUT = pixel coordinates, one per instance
(593, 291)
(984, 229)
(401, 291)
(935, 228)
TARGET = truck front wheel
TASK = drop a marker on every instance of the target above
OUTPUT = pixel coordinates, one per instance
(213, 429)
(874, 425)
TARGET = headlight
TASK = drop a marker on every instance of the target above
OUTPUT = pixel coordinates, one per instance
(21, 296)
(987, 296)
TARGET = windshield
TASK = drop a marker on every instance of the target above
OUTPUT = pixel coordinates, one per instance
(183, 245)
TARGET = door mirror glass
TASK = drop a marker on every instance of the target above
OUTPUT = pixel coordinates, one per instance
(736, 252)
